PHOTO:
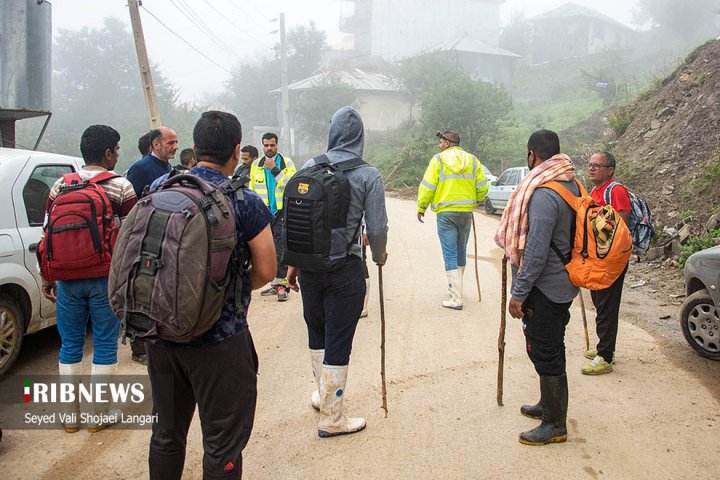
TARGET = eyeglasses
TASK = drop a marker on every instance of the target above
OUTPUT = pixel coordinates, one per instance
(595, 166)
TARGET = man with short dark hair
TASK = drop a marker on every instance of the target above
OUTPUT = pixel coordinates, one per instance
(78, 300)
(268, 176)
(453, 184)
(217, 370)
(534, 219)
(606, 191)
(187, 160)
(144, 144)
(248, 155)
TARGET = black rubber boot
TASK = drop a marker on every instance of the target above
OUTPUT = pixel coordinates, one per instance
(554, 402)
(532, 411)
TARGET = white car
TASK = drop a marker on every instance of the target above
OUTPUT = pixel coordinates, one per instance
(488, 174)
(25, 180)
(500, 190)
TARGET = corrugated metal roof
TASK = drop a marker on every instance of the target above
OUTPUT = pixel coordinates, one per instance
(354, 77)
(569, 10)
(466, 43)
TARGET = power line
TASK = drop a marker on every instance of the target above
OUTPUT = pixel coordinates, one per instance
(186, 42)
(247, 14)
(198, 22)
(240, 28)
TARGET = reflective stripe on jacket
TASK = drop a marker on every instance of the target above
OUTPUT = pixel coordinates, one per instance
(453, 182)
(259, 185)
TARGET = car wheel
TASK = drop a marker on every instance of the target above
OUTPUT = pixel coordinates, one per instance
(12, 329)
(489, 207)
(700, 324)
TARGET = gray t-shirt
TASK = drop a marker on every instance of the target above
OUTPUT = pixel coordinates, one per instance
(549, 219)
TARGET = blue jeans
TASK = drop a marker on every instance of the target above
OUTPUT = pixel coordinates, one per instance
(76, 301)
(454, 230)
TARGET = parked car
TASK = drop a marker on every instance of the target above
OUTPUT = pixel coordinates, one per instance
(500, 190)
(25, 181)
(700, 313)
(488, 174)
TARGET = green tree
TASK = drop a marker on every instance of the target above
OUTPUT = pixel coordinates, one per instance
(305, 47)
(427, 72)
(313, 108)
(516, 36)
(471, 108)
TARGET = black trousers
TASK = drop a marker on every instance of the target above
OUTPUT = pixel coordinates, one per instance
(277, 233)
(607, 306)
(544, 325)
(332, 303)
(222, 380)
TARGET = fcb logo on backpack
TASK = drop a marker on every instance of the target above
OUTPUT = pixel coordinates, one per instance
(316, 202)
(80, 231)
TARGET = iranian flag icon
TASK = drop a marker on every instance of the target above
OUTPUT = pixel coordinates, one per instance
(27, 391)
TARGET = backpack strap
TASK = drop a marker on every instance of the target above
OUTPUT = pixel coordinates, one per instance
(351, 164)
(572, 201)
(608, 192)
(101, 177)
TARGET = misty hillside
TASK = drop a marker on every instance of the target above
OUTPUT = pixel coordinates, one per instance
(668, 147)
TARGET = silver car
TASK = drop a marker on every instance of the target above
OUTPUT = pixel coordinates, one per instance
(700, 313)
(501, 189)
(25, 181)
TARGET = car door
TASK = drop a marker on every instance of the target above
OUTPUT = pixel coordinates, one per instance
(30, 192)
(508, 186)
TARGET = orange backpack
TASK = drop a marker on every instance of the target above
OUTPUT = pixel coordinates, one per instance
(602, 245)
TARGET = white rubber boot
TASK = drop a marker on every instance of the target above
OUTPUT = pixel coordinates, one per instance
(102, 414)
(316, 357)
(455, 287)
(70, 412)
(332, 391)
(364, 312)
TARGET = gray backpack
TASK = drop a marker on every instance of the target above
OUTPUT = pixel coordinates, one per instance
(174, 264)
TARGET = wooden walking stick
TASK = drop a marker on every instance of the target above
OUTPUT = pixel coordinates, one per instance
(477, 275)
(582, 308)
(501, 336)
(382, 341)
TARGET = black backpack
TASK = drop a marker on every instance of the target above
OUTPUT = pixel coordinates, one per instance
(316, 202)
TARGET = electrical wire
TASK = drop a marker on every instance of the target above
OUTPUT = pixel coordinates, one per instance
(247, 14)
(186, 42)
(227, 19)
(198, 22)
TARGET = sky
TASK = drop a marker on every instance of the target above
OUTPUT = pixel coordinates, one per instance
(196, 42)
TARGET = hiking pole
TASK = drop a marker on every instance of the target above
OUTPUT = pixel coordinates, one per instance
(501, 336)
(382, 341)
(582, 308)
(477, 275)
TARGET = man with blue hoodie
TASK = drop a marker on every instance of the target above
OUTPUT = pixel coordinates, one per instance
(453, 184)
(333, 301)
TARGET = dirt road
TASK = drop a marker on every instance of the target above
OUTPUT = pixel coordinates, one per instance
(656, 416)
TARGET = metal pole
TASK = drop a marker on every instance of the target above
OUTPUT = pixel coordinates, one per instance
(501, 336)
(145, 73)
(382, 341)
(286, 142)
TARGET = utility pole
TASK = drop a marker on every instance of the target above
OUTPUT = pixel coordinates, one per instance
(145, 74)
(286, 138)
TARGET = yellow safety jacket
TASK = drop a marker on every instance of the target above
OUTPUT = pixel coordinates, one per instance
(258, 179)
(453, 182)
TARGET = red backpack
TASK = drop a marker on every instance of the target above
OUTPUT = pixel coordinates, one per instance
(80, 231)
